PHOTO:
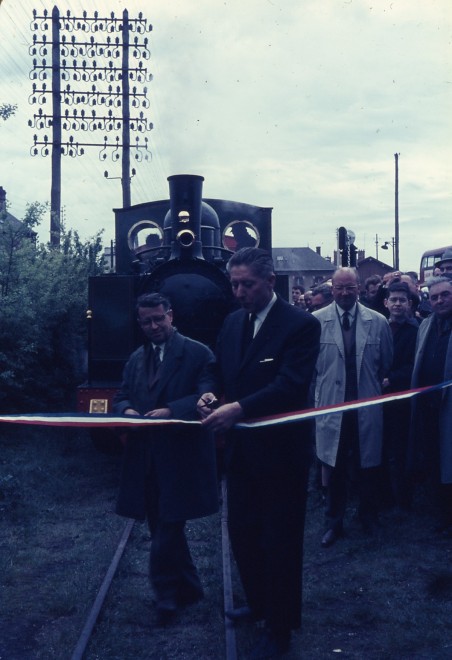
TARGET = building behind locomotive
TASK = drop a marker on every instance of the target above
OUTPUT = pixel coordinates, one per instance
(178, 247)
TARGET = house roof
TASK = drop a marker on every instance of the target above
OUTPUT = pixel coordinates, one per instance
(10, 219)
(300, 259)
(372, 260)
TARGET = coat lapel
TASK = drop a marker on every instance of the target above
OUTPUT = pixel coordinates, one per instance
(267, 330)
(363, 325)
(333, 330)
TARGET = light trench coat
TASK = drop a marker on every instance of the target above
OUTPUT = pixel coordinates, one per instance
(421, 440)
(373, 360)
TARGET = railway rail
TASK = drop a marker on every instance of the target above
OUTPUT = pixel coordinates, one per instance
(230, 637)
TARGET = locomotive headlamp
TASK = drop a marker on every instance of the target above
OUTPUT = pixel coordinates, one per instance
(185, 237)
(184, 216)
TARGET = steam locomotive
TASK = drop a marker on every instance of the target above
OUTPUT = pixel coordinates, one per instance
(178, 247)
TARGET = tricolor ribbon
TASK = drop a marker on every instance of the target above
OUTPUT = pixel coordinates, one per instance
(287, 418)
(100, 420)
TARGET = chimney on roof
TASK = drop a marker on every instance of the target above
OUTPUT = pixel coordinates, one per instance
(318, 250)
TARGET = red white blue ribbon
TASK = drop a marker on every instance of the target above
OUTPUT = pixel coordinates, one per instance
(90, 420)
(287, 418)
(100, 420)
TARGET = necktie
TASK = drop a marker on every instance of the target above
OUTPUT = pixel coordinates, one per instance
(249, 332)
(346, 321)
(157, 359)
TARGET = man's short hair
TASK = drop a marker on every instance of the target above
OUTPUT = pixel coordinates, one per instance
(153, 300)
(299, 288)
(346, 269)
(260, 261)
(413, 276)
(324, 290)
(398, 286)
(373, 279)
(438, 279)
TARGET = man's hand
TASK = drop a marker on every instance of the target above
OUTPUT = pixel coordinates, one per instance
(204, 405)
(224, 417)
(164, 413)
(131, 411)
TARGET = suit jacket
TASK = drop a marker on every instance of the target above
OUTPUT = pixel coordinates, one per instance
(183, 457)
(272, 377)
(397, 414)
(403, 360)
(421, 440)
(373, 343)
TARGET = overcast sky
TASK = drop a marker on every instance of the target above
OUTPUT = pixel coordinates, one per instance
(295, 104)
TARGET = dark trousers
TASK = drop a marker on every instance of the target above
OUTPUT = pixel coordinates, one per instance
(172, 572)
(266, 525)
(446, 504)
(348, 472)
(396, 485)
(429, 469)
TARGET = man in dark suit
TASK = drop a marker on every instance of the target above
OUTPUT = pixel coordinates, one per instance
(266, 357)
(396, 414)
(430, 446)
(169, 473)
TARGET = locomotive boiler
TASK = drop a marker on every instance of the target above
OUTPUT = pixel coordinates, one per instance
(178, 247)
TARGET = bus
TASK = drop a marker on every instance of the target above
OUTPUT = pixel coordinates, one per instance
(428, 261)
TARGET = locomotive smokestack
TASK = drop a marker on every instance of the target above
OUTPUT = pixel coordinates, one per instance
(185, 204)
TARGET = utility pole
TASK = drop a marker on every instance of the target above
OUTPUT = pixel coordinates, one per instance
(102, 94)
(55, 191)
(126, 194)
(396, 234)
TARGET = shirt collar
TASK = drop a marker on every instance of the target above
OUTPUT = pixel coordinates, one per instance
(341, 312)
(262, 315)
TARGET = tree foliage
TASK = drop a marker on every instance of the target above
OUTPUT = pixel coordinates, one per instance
(7, 110)
(43, 302)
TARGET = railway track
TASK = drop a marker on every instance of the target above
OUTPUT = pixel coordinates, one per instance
(229, 631)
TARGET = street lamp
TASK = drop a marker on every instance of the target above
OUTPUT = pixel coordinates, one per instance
(386, 245)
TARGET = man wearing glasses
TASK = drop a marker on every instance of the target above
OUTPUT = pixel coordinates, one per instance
(355, 356)
(396, 486)
(169, 473)
(431, 448)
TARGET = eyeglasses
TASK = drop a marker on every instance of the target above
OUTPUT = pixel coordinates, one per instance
(158, 320)
(443, 294)
(400, 300)
(349, 288)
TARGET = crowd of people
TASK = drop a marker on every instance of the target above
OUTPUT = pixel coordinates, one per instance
(388, 449)
(330, 346)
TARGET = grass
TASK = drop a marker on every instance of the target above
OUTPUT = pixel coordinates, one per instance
(387, 597)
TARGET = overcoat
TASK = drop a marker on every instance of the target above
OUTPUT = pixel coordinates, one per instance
(373, 342)
(183, 455)
(420, 437)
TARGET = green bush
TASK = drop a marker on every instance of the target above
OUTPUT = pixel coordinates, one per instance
(43, 302)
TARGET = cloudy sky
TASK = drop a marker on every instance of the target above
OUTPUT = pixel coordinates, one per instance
(295, 104)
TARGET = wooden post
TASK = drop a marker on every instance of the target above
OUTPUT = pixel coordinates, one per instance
(396, 235)
(125, 179)
(55, 192)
